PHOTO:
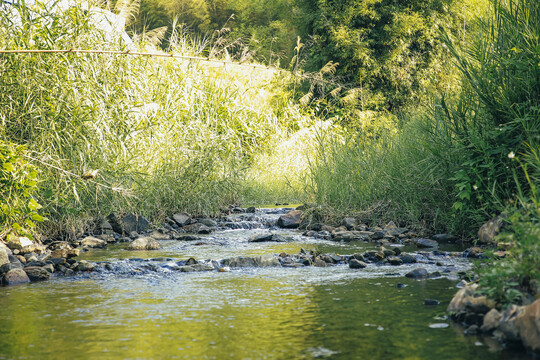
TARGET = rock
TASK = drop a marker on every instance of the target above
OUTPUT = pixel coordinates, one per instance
(426, 243)
(350, 223)
(73, 253)
(36, 273)
(84, 265)
(59, 253)
(197, 228)
(4, 257)
(528, 324)
(431, 302)
(348, 236)
(457, 305)
(401, 285)
(474, 252)
(187, 268)
(16, 276)
(357, 264)
(491, 320)
(128, 223)
(445, 238)
(143, 243)
(202, 267)
(478, 304)
(407, 258)
(419, 273)
(471, 330)
(507, 329)
(359, 257)
(208, 222)
(319, 262)
(191, 261)
(267, 260)
(92, 242)
(488, 231)
(49, 268)
(251, 210)
(393, 260)
(182, 219)
(23, 244)
(224, 269)
(159, 234)
(261, 237)
(291, 219)
(239, 261)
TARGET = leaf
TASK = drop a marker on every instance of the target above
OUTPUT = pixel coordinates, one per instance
(33, 205)
(16, 226)
(37, 217)
(9, 167)
(29, 223)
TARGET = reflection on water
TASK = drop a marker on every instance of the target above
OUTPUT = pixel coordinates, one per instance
(252, 313)
(257, 314)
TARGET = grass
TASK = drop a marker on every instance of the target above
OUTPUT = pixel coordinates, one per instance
(165, 135)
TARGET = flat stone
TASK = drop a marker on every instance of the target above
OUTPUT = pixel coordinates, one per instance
(261, 237)
(16, 276)
(445, 238)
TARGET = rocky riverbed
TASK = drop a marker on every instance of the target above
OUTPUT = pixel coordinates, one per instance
(125, 247)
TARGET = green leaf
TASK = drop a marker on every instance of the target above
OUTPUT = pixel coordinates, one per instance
(37, 217)
(9, 167)
(33, 205)
(16, 226)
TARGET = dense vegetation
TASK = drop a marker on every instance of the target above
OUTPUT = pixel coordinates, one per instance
(411, 111)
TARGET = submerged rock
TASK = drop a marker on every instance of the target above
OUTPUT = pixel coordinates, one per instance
(419, 273)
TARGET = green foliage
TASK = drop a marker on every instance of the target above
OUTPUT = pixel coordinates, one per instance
(18, 180)
(165, 135)
(391, 50)
(508, 280)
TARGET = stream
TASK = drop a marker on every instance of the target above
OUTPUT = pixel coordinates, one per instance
(139, 306)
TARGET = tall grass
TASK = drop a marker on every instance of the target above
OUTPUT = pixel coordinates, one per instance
(165, 135)
(453, 166)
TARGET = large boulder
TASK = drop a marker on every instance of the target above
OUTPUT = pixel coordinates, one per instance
(143, 243)
(291, 220)
(16, 276)
(23, 244)
(426, 243)
(36, 273)
(91, 242)
(457, 305)
(488, 231)
(128, 224)
(182, 219)
(528, 324)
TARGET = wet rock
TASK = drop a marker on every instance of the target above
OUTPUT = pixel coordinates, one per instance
(426, 243)
(478, 304)
(491, 320)
(407, 258)
(319, 262)
(379, 255)
(16, 276)
(36, 273)
(93, 242)
(431, 302)
(261, 237)
(240, 261)
(419, 273)
(471, 330)
(457, 305)
(224, 269)
(59, 253)
(357, 264)
(187, 237)
(400, 285)
(397, 251)
(267, 260)
(202, 267)
(182, 219)
(291, 219)
(143, 243)
(474, 252)
(251, 210)
(207, 222)
(393, 260)
(445, 238)
(49, 268)
(359, 257)
(84, 265)
(488, 231)
(507, 329)
(73, 253)
(187, 268)
(350, 223)
(191, 261)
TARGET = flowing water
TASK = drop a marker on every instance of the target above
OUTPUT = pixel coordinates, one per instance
(248, 313)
